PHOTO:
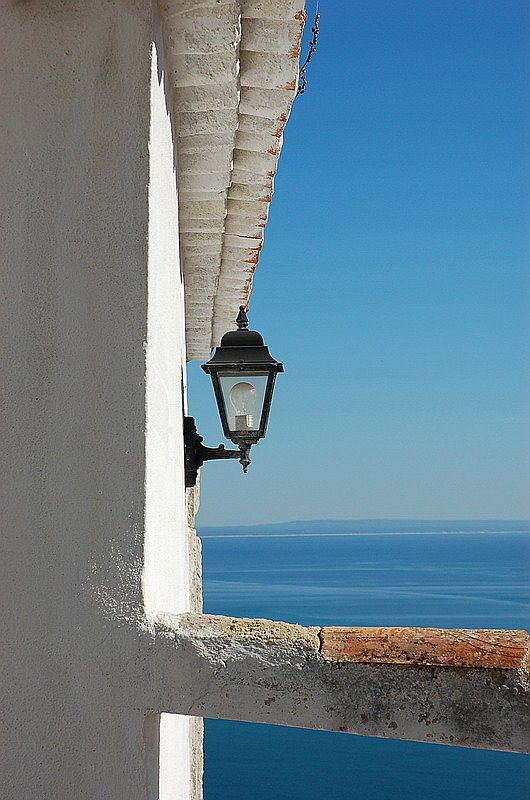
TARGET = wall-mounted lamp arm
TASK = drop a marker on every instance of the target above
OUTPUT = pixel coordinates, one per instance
(210, 453)
(195, 453)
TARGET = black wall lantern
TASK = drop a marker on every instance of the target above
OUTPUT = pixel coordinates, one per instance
(243, 374)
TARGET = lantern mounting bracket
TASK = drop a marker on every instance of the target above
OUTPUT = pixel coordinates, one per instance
(195, 453)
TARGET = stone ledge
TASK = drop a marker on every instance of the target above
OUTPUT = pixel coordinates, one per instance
(261, 630)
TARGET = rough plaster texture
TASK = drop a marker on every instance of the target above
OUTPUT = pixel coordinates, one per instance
(195, 605)
(270, 672)
(194, 549)
(77, 224)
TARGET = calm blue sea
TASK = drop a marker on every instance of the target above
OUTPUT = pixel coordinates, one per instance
(448, 580)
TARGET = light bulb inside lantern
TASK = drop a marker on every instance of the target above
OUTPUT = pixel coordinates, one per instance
(243, 398)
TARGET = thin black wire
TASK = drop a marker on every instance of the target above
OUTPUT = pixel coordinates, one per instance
(315, 30)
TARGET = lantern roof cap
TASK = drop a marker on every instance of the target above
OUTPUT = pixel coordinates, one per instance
(242, 337)
(242, 347)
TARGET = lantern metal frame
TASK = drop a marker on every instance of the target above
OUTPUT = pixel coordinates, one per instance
(241, 352)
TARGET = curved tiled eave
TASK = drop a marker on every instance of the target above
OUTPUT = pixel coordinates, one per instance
(233, 68)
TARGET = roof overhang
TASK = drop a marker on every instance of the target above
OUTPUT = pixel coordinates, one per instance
(232, 69)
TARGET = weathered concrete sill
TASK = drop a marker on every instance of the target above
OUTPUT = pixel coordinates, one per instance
(459, 687)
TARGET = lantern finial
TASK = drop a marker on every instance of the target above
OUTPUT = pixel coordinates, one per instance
(242, 319)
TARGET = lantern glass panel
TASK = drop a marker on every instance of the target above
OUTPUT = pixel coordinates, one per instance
(243, 397)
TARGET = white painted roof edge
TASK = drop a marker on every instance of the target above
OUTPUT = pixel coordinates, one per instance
(233, 71)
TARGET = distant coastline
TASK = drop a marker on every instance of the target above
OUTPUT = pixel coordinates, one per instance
(335, 527)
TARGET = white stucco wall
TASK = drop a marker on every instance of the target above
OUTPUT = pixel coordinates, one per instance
(166, 559)
(88, 224)
(166, 575)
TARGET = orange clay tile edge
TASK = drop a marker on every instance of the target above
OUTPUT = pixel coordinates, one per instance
(426, 647)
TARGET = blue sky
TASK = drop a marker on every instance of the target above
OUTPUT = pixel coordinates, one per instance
(394, 278)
